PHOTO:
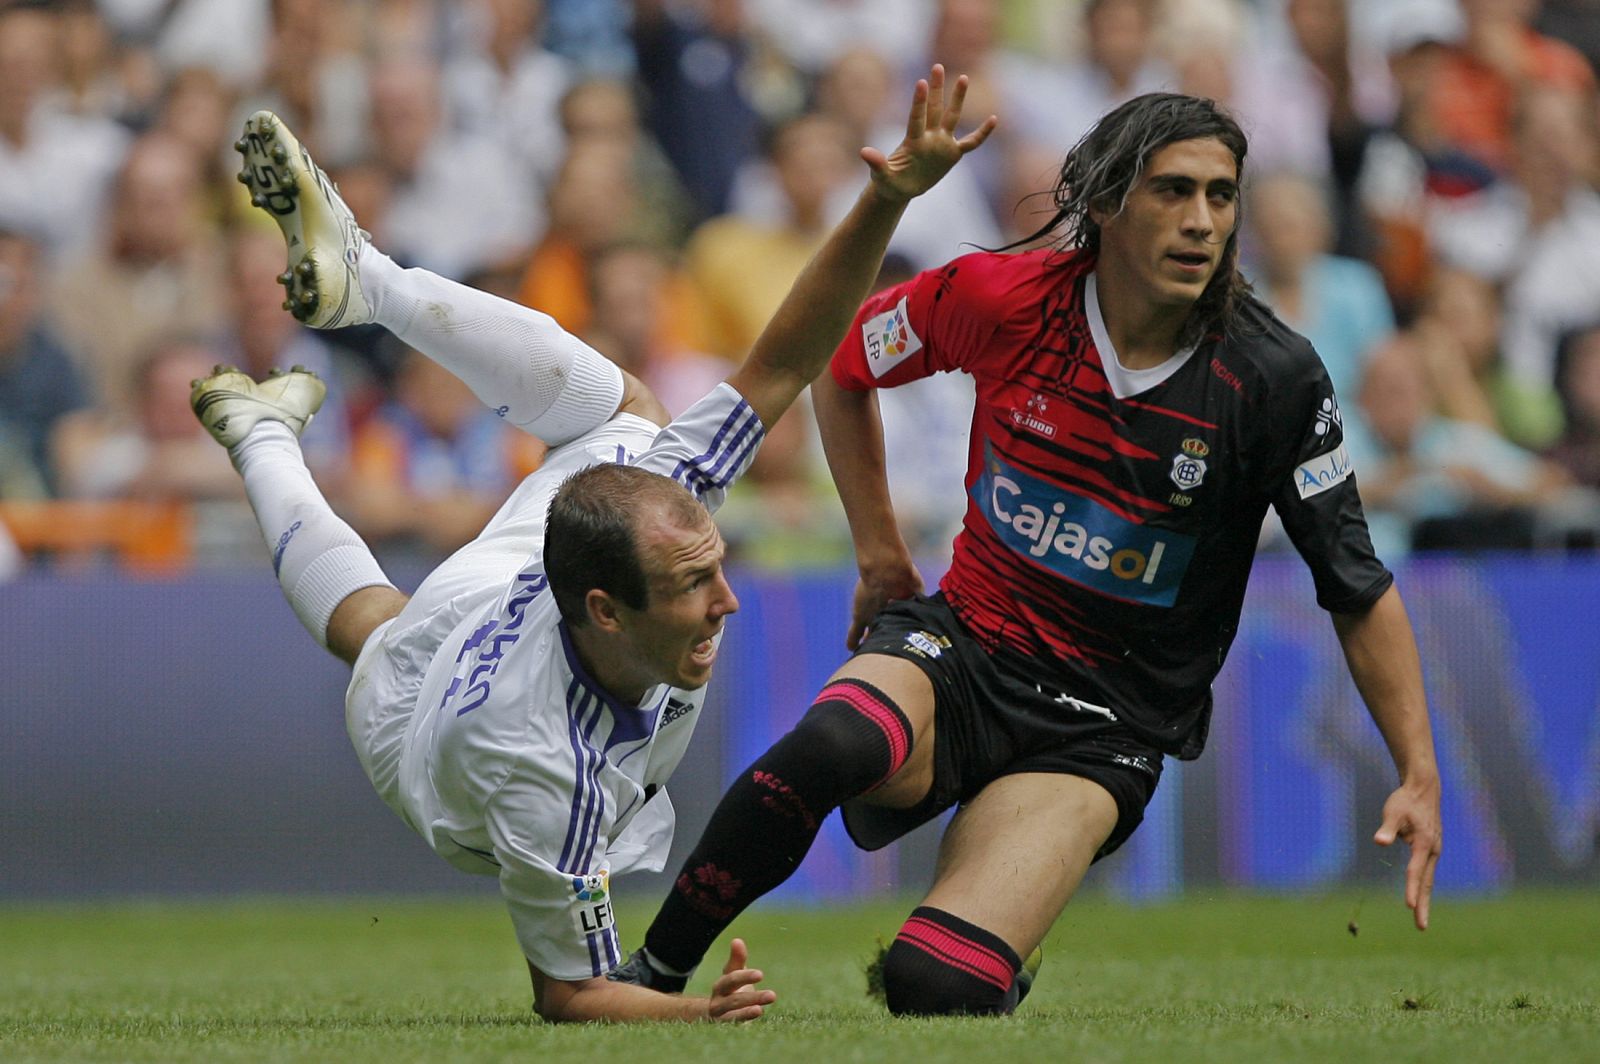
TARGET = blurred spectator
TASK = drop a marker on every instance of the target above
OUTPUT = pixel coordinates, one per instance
(694, 66)
(261, 336)
(91, 83)
(1309, 95)
(592, 35)
(458, 202)
(314, 79)
(1428, 482)
(814, 34)
(39, 386)
(1578, 450)
(1575, 21)
(1484, 78)
(785, 514)
(158, 271)
(1337, 303)
(433, 464)
(158, 453)
(742, 267)
(1458, 333)
(595, 204)
(198, 109)
(925, 431)
(600, 109)
(1119, 63)
(434, 28)
(222, 34)
(506, 87)
(857, 91)
(631, 288)
(1554, 286)
(55, 166)
(1415, 190)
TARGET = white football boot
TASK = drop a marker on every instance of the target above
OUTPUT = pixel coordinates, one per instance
(229, 404)
(322, 281)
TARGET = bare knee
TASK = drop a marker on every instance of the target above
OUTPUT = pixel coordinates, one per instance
(357, 615)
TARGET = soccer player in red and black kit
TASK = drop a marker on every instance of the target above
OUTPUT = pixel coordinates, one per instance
(1138, 412)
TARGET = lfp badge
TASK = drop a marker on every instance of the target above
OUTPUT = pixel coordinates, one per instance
(592, 892)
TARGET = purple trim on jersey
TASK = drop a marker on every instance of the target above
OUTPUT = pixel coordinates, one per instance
(594, 954)
(597, 795)
(586, 794)
(581, 674)
(613, 951)
(628, 723)
(580, 761)
(695, 469)
(631, 725)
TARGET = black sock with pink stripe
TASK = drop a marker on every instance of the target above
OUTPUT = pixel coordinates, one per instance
(852, 739)
(941, 965)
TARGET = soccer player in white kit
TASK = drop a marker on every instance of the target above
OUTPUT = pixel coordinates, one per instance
(523, 708)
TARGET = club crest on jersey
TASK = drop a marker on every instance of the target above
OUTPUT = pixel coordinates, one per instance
(592, 891)
(1189, 468)
(889, 339)
(1080, 540)
(1031, 417)
(926, 644)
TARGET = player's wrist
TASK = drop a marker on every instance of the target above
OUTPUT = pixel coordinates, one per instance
(1420, 778)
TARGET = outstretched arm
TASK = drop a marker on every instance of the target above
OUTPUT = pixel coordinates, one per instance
(1382, 654)
(734, 997)
(802, 335)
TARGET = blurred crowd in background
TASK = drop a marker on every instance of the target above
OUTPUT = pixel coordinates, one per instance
(1423, 203)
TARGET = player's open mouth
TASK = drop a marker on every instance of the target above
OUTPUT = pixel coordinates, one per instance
(1190, 261)
(704, 652)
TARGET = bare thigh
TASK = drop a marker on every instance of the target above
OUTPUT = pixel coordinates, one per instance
(357, 615)
(909, 688)
(1013, 857)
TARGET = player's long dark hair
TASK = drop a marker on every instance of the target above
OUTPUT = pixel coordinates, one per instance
(1104, 166)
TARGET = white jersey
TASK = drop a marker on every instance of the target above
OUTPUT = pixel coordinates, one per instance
(478, 724)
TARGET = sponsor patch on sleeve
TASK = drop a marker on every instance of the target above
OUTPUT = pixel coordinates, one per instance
(1322, 472)
(889, 339)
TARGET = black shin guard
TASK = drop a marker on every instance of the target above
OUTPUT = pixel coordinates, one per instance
(853, 738)
(941, 965)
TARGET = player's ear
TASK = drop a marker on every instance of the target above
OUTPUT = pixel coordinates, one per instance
(1102, 210)
(604, 611)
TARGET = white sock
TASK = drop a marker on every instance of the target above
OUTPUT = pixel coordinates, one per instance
(518, 361)
(318, 558)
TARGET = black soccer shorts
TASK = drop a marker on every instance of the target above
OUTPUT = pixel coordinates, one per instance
(993, 719)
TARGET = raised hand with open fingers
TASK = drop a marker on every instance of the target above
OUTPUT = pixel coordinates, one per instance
(931, 147)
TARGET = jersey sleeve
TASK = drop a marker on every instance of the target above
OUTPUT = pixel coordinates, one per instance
(560, 905)
(1314, 492)
(708, 446)
(933, 323)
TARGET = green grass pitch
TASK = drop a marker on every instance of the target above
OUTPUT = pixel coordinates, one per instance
(1227, 978)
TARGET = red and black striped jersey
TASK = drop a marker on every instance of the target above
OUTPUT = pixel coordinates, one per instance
(1108, 538)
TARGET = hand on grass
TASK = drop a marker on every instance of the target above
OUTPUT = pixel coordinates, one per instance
(1412, 814)
(734, 997)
